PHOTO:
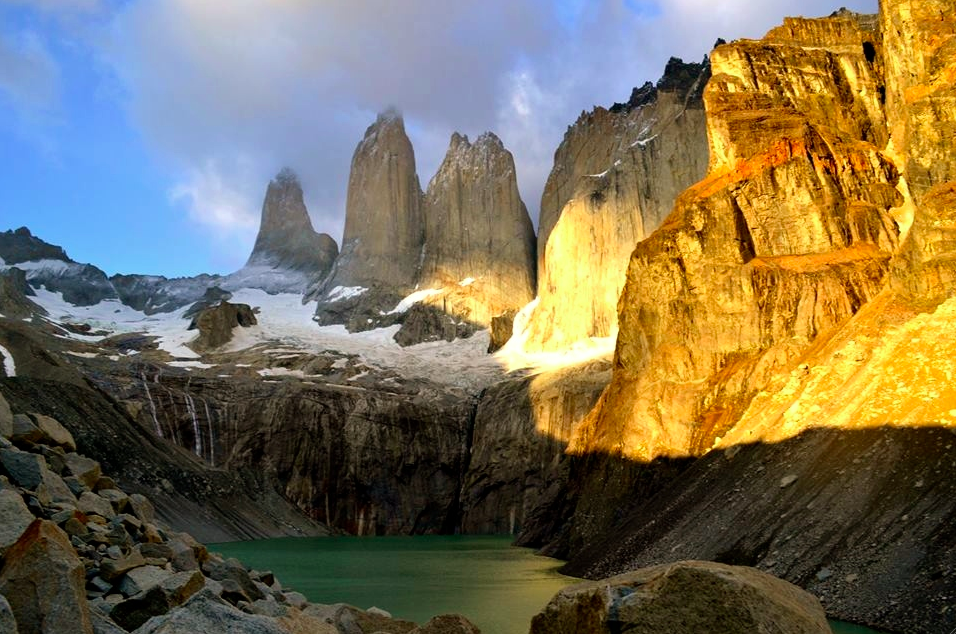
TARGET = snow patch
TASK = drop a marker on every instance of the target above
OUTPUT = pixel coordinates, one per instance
(468, 281)
(344, 292)
(413, 299)
(9, 367)
(84, 355)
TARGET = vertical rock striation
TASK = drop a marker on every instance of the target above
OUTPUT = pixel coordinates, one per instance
(479, 240)
(616, 176)
(788, 236)
(286, 239)
(384, 229)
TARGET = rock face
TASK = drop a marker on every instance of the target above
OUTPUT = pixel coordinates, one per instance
(43, 579)
(467, 245)
(684, 598)
(615, 177)
(787, 237)
(287, 243)
(384, 228)
(49, 266)
(215, 324)
(477, 231)
(15, 295)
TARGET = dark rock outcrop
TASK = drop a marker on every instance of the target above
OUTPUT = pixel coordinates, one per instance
(215, 324)
(684, 598)
(15, 295)
(157, 294)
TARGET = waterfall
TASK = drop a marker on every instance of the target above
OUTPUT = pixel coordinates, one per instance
(152, 406)
(197, 438)
(212, 441)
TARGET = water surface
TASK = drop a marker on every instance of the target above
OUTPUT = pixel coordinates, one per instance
(497, 586)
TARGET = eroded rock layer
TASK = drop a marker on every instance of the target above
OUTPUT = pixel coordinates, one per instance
(786, 238)
(616, 176)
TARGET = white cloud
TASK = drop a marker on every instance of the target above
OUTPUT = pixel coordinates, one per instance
(29, 75)
(296, 82)
(222, 204)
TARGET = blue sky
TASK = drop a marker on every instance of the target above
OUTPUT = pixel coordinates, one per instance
(140, 135)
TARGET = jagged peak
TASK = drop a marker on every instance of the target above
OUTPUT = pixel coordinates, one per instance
(286, 177)
(391, 114)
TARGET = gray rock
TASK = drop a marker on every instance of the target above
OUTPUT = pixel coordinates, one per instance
(683, 598)
(112, 570)
(208, 614)
(268, 608)
(93, 504)
(43, 580)
(182, 556)
(117, 498)
(24, 430)
(54, 434)
(142, 508)
(84, 469)
(349, 619)
(787, 481)
(6, 418)
(141, 579)
(157, 600)
(25, 469)
(296, 599)
(15, 518)
(447, 624)
(8, 622)
(235, 580)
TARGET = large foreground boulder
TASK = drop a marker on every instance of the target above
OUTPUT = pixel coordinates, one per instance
(43, 580)
(684, 598)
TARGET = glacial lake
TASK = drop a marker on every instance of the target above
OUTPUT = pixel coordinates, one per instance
(497, 586)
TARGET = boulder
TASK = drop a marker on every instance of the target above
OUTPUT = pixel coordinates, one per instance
(84, 469)
(215, 324)
(15, 518)
(447, 624)
(24, 430)
(115, 497)
(236, 581)
(92, 504)
(142, 508)
(208, 614)
(349, 619)
(684, 598)
(25, 469)
(6, 418)
(54, 434)
(111, 570)
(142, 579)
(43, 580)
(159, 599)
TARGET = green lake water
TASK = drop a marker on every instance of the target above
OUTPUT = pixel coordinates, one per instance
(497, 586)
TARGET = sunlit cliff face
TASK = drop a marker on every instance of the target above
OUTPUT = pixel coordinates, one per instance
(737, 318)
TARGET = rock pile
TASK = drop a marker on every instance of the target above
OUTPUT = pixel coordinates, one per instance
(80, 555)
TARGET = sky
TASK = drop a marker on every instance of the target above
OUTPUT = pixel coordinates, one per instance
(140, 135)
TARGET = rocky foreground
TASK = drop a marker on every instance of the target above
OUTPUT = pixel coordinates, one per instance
(80, 556)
